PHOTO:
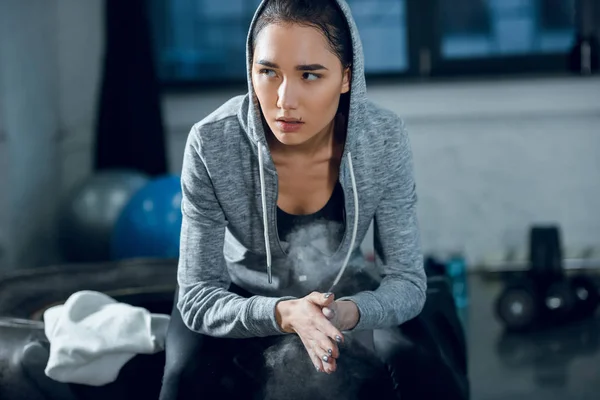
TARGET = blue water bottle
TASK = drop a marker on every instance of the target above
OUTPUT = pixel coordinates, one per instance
(456, 268)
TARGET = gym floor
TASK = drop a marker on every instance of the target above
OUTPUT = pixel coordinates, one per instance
(562, 363)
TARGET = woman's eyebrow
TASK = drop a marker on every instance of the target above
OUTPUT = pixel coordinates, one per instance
(310, 67)
(303, 67)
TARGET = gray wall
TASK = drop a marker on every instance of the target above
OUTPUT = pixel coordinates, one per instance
(491, 157)
(49, 54)
(4, 179)
(80, 34)
(29, 89)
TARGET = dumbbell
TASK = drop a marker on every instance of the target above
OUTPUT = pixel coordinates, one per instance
(524, 305)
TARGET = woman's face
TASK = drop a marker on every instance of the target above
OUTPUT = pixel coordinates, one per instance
(298, 81)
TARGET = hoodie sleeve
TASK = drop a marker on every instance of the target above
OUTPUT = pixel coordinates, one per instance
(401, 294)
(205, 304)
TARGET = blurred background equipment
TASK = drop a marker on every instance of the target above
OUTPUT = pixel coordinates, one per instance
(90, 212)
(456, 269)
(452, 268)
(150, 224)
(544, 295)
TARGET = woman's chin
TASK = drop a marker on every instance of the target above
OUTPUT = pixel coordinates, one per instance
(290, 139)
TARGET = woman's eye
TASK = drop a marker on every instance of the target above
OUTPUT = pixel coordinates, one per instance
(310, 76)
(268, 72)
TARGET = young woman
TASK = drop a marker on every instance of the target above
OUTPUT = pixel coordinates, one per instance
(279, 188)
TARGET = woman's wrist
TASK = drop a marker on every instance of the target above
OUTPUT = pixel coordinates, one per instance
(349, 314)
(282, 313)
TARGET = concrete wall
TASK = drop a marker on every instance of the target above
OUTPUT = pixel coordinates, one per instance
(4, 179)
(491, 158)
(80, 56)
(29, 89)
(49, 54)
(516, 154)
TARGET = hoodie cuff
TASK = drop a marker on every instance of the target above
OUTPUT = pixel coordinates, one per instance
(262, 320)
(369, 310)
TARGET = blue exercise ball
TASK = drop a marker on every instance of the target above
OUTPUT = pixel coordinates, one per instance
(150, 224)
(88, 214)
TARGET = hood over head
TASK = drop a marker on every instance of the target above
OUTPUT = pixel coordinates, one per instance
(253, 123)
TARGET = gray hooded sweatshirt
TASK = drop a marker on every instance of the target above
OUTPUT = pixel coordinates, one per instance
(229, 229)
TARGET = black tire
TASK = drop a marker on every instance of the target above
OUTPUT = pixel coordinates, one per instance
(26, 294)
(517, 307)
(439, 339)
(148, 283)
(586, 296)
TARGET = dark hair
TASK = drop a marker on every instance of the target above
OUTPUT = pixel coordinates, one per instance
(324, 15)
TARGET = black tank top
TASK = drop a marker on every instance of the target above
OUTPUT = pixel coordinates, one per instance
(331, 216)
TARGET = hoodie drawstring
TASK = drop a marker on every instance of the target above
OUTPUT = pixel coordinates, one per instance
(266, 221)
(264, 210)
(354, 228)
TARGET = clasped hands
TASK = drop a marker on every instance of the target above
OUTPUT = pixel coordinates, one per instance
(319, 321)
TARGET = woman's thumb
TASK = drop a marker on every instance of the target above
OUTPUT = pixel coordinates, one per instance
(322, 299)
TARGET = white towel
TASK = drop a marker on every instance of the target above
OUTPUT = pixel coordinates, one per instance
(92, 336)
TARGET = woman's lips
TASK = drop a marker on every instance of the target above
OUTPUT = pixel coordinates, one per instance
(289, 126)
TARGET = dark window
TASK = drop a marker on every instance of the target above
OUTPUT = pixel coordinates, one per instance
(203, 41)
(384, 32)
(200, 42)
(491, 28)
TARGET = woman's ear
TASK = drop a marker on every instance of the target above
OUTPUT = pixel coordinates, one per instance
(346, 79)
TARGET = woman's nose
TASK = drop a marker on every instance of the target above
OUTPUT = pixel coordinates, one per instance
(287, 97)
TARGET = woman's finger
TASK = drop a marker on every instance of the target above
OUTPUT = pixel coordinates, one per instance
(326, 326)
(316, 360)
(327, 356)
(325, 347)
(330, 366)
